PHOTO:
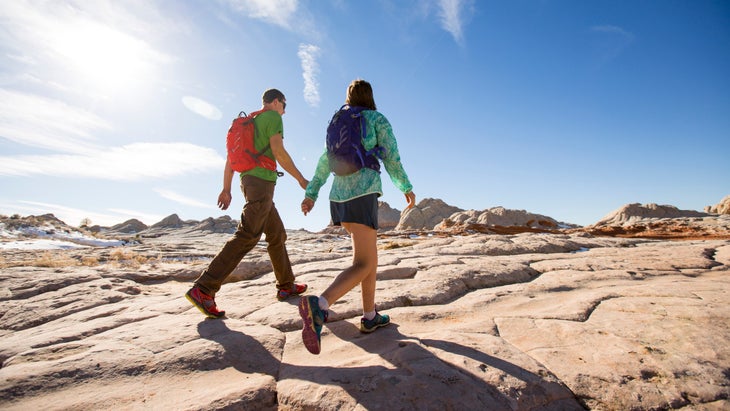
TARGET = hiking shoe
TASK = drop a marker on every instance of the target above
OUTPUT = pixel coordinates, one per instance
(204, 302)
(282, 295)
(368, 326)
(312, 318)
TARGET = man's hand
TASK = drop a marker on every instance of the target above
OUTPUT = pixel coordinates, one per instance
(307, 205)
(224, 199)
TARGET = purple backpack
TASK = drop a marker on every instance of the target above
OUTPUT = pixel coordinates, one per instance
(345, 150)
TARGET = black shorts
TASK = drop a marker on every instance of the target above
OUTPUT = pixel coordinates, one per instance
(362, 210)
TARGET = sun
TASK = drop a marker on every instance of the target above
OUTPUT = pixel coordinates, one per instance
(104, 57)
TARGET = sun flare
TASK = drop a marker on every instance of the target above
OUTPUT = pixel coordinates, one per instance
(103, 56)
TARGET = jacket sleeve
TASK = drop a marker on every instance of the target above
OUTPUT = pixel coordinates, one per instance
(391, 156)
(321, 174)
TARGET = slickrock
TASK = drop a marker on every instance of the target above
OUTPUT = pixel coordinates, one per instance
(426, 214)
(660, 222)
(388, 217)
(490, 322)
(723, 207)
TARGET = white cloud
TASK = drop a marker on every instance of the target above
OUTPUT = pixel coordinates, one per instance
(452, 17)
(278, 12)
(133, 162)
(308, 54)
(611, 42)
(47, 123)
(181, 199)
(614, 30)
(202, 108)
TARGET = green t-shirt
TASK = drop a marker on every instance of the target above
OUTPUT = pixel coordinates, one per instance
(267, 124)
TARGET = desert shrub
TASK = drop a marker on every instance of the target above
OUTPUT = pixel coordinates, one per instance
(53, 260)
(89, 261)
(127, 258)
(391, 245)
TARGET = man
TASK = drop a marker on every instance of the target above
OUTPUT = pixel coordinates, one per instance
(259, 214)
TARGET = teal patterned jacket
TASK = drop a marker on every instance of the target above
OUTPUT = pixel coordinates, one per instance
(365, 181)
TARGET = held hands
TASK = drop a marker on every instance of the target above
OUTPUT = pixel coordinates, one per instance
(411, 199)
(303, 183)
(224, 200)
(307, 205)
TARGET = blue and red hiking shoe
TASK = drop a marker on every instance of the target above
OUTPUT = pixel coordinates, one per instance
(297, 289)
(312, 320)
(368, 326)
(204, 303)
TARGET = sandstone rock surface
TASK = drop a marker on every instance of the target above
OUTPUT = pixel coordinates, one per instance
(632, 213)
(660, 222)
(425, 215)
(723, 207)
(388, 217)
(481, 321)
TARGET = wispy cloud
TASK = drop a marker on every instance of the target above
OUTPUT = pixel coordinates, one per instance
(278, 12)
(181, 199)
(202, 108)
(453, 14)
(612, 42)
(47, 123)
(132, 162)
(308, 54)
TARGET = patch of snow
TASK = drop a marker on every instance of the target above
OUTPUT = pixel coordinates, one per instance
(48, 237)
(39, 244)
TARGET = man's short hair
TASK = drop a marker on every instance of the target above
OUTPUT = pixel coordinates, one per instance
(271, 95)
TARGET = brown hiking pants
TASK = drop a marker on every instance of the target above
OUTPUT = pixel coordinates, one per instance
(259, 216)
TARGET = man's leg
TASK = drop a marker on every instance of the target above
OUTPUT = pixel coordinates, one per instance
(276, 239)
(259, 201)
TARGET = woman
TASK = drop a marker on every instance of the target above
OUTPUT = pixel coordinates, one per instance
(354, 206)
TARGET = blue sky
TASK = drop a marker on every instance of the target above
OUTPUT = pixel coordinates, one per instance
(111, 110)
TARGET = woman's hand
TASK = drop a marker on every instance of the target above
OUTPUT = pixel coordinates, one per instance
(411, 199)
(307, 205)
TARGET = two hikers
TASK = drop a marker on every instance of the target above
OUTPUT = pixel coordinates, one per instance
(353, 205)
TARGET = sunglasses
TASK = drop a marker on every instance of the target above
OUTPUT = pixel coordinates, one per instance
(283, 103)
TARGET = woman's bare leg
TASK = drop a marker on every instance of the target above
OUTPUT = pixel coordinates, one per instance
(363, 269)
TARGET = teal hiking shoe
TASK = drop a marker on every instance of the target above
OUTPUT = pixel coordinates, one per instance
(312, 320)
(297, 289)
(368, 326)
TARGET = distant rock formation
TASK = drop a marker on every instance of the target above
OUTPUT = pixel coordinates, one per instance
(494, 218)
(223, 224)
(388, 218)
(723, 207)
(171, 221)
(632, 213)
(660, 222)
(45, 221)
(129, 227)
(426, 215)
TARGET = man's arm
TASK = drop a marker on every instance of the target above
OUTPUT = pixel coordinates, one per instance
(224, 198)
(285, 161)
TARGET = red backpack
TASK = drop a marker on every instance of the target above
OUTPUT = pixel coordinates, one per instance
(242, 154)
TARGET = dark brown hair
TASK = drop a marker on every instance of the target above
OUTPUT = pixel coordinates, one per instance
(271, 95)
(360, 94)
